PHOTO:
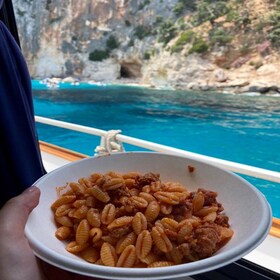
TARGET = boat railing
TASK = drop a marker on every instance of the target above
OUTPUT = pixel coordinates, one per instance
(243, 169)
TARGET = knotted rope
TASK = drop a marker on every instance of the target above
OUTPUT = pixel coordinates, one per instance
(109, 143)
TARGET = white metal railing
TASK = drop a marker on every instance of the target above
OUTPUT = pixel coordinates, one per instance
(229, 165)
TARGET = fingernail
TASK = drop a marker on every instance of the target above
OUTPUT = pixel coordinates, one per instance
(30, 189)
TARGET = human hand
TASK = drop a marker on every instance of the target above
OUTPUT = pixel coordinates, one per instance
(17, 261)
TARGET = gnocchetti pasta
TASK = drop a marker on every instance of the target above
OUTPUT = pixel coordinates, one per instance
(136, 220)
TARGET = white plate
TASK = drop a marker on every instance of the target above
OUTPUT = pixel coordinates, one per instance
(248, 211)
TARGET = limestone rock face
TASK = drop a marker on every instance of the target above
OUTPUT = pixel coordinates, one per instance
(104, 71)
(220, 75)
(58, 38)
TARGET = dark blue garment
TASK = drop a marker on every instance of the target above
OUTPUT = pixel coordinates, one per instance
(20, 159)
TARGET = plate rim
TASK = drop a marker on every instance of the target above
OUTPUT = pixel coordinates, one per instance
(181, 270)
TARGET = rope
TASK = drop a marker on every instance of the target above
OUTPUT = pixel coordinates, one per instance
(109, 144)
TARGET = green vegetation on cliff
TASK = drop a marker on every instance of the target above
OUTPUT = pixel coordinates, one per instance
(144, 36)
(231, 27)
(204, 26)
(240, 27)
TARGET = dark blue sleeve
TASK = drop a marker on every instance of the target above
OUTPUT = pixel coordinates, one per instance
(20, 158)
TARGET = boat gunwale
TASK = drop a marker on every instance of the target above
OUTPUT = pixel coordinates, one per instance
(60, 152)
(235, 167)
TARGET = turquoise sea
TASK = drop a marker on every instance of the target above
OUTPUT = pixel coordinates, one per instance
(240, 128)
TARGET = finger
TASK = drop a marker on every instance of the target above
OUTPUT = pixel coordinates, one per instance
(15, 212)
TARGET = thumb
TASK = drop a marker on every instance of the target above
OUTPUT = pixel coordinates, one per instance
(15, 212)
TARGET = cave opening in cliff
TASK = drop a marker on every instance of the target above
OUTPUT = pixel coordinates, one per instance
(130, 69)
(125, 73)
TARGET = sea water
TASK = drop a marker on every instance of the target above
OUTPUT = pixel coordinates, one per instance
(239, 128)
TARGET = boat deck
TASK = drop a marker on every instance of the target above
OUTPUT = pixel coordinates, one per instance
(265, 255)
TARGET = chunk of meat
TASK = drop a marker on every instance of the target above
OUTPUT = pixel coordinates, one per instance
(205, 240)
(147, 179)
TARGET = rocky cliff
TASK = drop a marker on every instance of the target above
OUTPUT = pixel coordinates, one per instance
(206, 45)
